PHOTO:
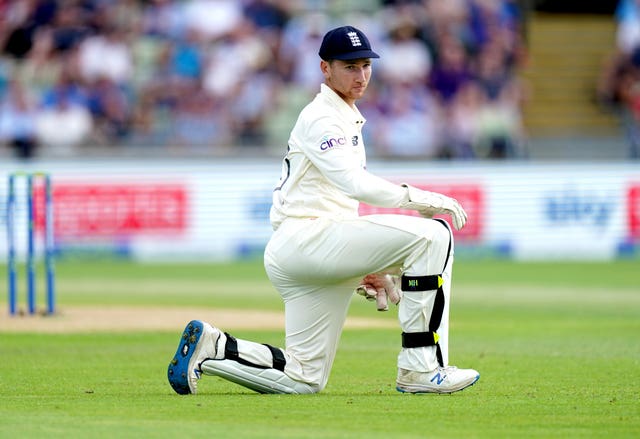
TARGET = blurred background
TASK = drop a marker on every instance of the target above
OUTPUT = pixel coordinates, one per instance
(163, 122)
(458, 79)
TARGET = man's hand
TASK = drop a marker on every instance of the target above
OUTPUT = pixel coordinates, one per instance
(381, 288)
(430, 203)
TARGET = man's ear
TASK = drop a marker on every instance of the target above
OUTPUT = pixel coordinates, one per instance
(324, 68)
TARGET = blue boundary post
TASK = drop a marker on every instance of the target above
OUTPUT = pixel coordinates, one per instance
(49, 240)
(11, 245)
(31, 268)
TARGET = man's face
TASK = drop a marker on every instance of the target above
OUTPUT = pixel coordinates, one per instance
(349, 79)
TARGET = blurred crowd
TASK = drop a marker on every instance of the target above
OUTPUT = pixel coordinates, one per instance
(619, 88)
(219, 76)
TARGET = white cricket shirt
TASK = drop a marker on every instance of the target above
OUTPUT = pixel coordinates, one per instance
(324, 172)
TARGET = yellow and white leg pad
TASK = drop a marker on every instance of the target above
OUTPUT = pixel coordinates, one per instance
(256, 379)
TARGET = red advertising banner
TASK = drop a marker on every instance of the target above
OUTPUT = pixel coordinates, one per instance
(469, 196)
(116, 210)
(633, 201)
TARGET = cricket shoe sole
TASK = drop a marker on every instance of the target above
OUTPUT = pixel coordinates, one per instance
(197, 344)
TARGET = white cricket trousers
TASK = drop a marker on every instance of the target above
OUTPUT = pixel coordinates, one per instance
(315, 264)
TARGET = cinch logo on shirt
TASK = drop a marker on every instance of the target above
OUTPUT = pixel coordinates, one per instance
(330, 143)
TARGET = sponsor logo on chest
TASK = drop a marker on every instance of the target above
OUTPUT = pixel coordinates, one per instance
(332, 143)
(329, 143)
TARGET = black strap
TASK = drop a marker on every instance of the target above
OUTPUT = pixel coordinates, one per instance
(278, 358)
(429, 338)
(423, 339)
(419, 339)
(231, 353)
(427, 283)
(436, 318)
(420, 283)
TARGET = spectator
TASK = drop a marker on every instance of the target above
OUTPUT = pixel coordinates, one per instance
(499, 124)
(187, 57)
(42, 66)
(403, 44)
(63, 126)
(67, 88)
(240, 54)
(250, 109)
(69, 27)
(266, 15)
(460, 134)
(628, 25)
(446, 19)
(198, 125)
(157, 99)
(18, 113)
(16, 28)
(619, 84)
(621, 91)
(257, 61)
(111, 111)
(164, 19)
(451, 71)
(212, 19)
(409, 126)
(106, 55)
(491, 70)
(298, 57)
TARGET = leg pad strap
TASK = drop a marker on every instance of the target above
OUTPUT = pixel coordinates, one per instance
(421, 283)
(423, 339)
(419, 339)
(231, 353)
(278, 358)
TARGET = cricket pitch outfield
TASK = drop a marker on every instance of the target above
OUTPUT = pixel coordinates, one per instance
(555, 344)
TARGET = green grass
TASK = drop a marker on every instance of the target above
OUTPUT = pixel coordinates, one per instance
(556, 345)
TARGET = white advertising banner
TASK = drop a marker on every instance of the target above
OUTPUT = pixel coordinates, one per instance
(540, 211)
(219, 209)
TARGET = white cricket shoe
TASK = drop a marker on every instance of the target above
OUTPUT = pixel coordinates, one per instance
(447, 379)
(197, 344)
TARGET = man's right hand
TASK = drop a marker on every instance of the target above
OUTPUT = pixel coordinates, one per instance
(430, 203)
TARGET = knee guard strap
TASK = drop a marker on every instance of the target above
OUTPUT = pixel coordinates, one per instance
(419, 339)
(421, 283)
(428, 338)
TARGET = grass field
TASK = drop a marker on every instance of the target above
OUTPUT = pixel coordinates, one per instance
(557, 346)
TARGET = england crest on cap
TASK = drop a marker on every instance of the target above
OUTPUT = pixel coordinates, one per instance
(346, 43)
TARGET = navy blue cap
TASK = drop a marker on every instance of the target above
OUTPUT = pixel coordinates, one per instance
(346, 43)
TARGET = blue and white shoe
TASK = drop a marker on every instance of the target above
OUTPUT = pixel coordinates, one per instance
(197, 344)
(447, 379)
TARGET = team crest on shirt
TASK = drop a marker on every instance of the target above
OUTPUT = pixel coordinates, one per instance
(354, 141)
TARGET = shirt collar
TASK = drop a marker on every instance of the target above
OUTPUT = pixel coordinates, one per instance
(351, 113)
